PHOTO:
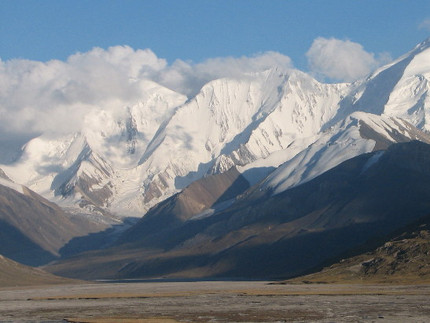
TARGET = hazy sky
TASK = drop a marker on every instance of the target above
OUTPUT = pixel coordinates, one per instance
(200, 29)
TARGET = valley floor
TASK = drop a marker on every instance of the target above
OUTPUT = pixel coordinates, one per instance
(217, 301)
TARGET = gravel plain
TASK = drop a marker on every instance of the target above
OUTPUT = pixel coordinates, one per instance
(215, 301)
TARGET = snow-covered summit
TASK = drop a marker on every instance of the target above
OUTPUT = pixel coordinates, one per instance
(400, 88)
(126, 160)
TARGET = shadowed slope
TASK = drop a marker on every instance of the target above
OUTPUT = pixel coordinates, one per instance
(32, 229)
(263, 236)
(403, 258)
(202, 195)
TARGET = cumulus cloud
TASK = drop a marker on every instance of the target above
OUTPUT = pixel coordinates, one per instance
(425, 24)
(342, 60)
(55, 96)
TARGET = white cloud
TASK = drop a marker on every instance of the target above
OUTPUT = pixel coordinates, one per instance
(425, 24)
(342, 60)
(55, 96)
(188, 78)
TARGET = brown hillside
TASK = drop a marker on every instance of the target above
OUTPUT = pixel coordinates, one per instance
(403, 259)
(15, 274)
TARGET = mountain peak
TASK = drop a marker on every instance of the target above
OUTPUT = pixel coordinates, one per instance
(160, 142)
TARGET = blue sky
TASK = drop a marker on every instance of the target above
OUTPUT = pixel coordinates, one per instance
(199, 29)
(62, 59)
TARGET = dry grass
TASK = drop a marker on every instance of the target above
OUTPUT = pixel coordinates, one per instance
(344, 279)
(330, 291)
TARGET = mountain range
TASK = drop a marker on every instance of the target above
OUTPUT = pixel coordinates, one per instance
(125, 164)
(262, 235)
(242, 179)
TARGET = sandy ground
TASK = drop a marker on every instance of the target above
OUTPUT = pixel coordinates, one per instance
(215, 302)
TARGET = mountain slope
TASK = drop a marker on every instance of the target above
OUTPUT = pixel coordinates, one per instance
(32, 229)
(359, 133)
(399, 89)
(265, 236)
(403, 259)
(129, 163)
(200, 199)
(91, 168)
(209, 134)
(13, 274)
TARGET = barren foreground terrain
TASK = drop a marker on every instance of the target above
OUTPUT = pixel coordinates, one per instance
(217, 301)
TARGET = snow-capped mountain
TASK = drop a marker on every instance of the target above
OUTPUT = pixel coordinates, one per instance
(357, 134)
(126, 163)
(218, 195)
(399, 89)
(86, 169)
